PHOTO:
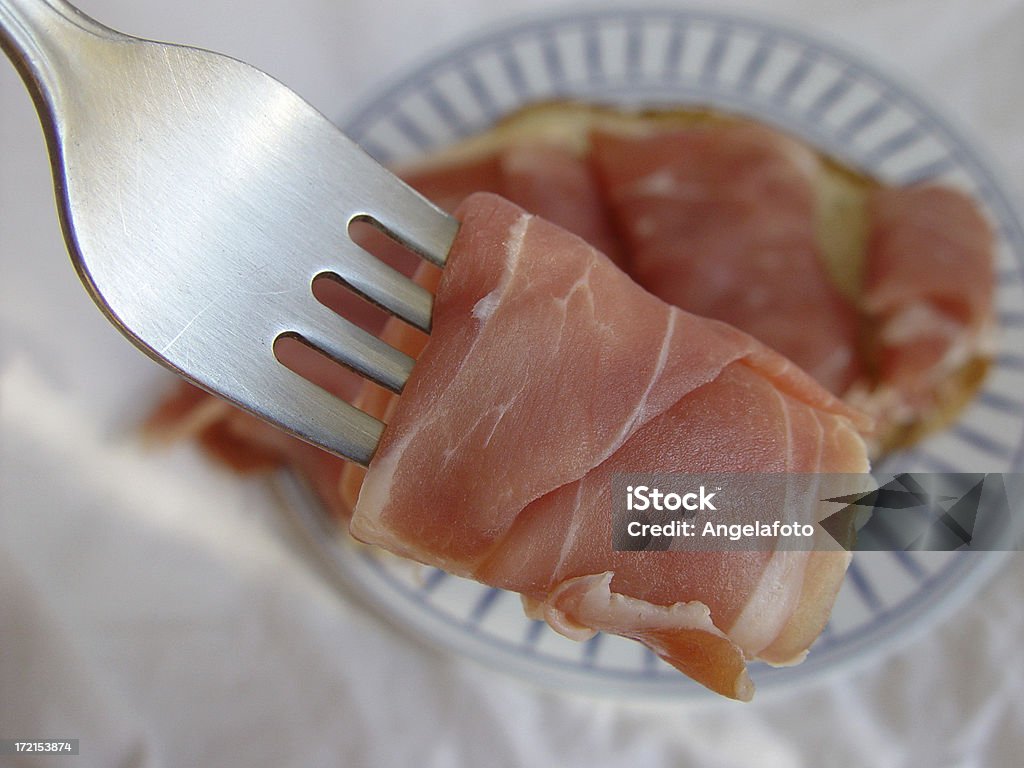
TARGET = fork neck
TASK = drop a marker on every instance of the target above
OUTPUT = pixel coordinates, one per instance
(40, 36)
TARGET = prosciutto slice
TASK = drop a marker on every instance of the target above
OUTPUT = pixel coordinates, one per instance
(720, 221)
(928, 292)
(547, 370)
(546, 179)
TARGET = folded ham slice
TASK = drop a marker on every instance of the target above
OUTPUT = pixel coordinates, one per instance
(547, 370)
(720, 220)
(928, 293)
(545, 178)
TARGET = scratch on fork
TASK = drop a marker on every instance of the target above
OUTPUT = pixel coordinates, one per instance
(120, 209)
(191, 322)
(172, 71)
(216, 299)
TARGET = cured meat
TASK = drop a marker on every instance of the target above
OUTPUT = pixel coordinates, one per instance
(448, 183)
(719, 220)
(546, 179)
(189, 412)
(928, 292)
(560, 186)
(548, 370)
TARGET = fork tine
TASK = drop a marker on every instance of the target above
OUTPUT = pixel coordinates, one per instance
(420, 226)
(305, 410)
(350, 345)
(369, 276)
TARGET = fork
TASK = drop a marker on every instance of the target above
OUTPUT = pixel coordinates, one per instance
(200, 198)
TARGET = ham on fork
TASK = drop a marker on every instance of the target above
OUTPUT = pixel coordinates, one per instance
(547, 370)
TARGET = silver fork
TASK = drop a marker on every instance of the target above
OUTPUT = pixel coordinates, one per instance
(199, 200)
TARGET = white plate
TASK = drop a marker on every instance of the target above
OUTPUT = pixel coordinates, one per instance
(833, 99)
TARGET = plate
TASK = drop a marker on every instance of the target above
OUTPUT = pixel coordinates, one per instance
(807, 86)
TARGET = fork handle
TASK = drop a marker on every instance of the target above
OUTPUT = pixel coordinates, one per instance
(40, 37)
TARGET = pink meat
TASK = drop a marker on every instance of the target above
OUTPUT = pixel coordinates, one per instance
(560, 186)
(550, 181)
(719, 221)
(448, 184)
(928, 291)
(546, 371)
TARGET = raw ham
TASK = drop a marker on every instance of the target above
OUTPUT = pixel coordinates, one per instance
(547, 370)
(559, 186)
(546, 179)
(928, 292)
(189, 412)
(719, 220)
(447, 184)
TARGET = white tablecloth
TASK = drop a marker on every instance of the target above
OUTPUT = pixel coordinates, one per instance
(159, 610)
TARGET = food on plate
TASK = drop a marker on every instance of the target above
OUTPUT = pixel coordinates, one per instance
(546, 371)
(928, 293)
(719, 220)
(549, 369)
(540, 177)
(741, 222)
(845, 241)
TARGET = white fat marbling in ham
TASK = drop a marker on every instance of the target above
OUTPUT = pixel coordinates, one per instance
(497, 460)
